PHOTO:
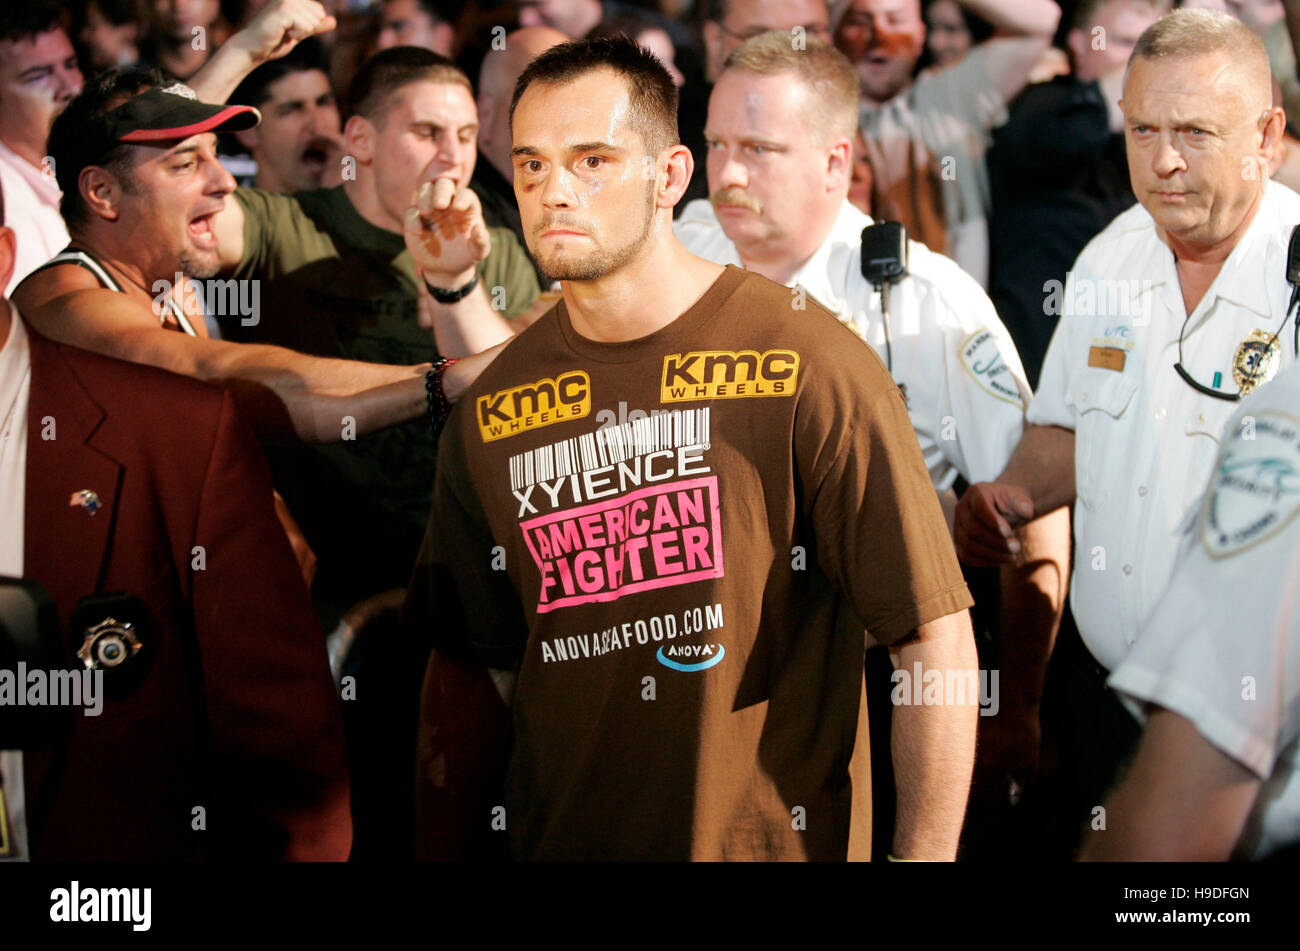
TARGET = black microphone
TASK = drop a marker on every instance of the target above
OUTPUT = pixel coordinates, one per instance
(884, 263)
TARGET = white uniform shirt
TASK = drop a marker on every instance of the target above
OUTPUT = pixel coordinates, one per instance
(1223, 645)
(15, 390)
(1144, 439)
(955, 361)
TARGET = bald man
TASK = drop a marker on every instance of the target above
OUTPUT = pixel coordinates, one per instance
(493, 179)
(1170, 316)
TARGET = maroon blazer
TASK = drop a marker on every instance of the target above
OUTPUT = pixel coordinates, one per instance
(237, 713)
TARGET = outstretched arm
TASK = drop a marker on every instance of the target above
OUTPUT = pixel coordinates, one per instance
(283, 394)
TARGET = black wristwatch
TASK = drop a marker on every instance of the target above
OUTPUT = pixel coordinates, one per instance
(451, 297)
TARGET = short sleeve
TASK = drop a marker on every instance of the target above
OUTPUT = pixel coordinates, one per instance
(881, 535)
(985, 390)
(509, 269)
(461, 597)
(259, 211)
(1222, 647)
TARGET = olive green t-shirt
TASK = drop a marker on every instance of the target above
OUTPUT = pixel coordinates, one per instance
(332, 284)
(677, 542)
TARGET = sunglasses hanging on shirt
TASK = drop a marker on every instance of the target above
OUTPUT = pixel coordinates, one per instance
(1258, 355)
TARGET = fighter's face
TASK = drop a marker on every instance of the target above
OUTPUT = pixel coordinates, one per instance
(300, 122)
(764, 167)
(1193, 132)
(426, 131)
(883, 39)
(583, 179)
(170, 199)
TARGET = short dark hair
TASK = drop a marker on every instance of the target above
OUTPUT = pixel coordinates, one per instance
(438, 12)
(389, 70)
(631, 22)
(650, 89)
(118, 12)
(21, 20)
(255, 90)
(102, 94)
(1087, 11)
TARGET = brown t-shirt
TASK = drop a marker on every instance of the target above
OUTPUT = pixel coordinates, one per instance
(678, 541)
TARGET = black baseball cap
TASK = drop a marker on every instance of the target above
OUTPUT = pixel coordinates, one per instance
(146, 108)
(165, 113)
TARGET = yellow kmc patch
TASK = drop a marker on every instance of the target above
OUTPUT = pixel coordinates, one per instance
(728, 374)
(534, 405)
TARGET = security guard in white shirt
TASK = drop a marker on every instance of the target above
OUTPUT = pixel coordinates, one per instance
(943, 342)
(1171, 314)
(1218, 773)
(1145, 436)
(782, 210)
(780, 127)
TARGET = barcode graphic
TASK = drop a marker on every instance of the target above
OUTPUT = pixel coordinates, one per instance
(665, 429)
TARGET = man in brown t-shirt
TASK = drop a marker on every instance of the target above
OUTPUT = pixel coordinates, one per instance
(662, 519)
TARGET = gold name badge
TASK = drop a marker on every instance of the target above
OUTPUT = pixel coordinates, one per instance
(1108, 358)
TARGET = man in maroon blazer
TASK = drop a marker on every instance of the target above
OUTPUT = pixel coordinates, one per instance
(221, 735)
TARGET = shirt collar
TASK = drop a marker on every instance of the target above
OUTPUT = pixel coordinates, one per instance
(815, 276)
(352, 227)
(46, 188)
(1246, 274)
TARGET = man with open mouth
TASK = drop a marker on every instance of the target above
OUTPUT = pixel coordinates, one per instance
(297, 145)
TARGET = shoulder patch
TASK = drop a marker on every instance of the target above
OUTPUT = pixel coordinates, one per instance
(983, 361)
(1255, 488)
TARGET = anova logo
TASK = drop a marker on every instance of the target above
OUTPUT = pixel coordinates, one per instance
(691, 657)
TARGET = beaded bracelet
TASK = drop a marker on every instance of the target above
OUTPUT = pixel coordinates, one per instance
(439, 405)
